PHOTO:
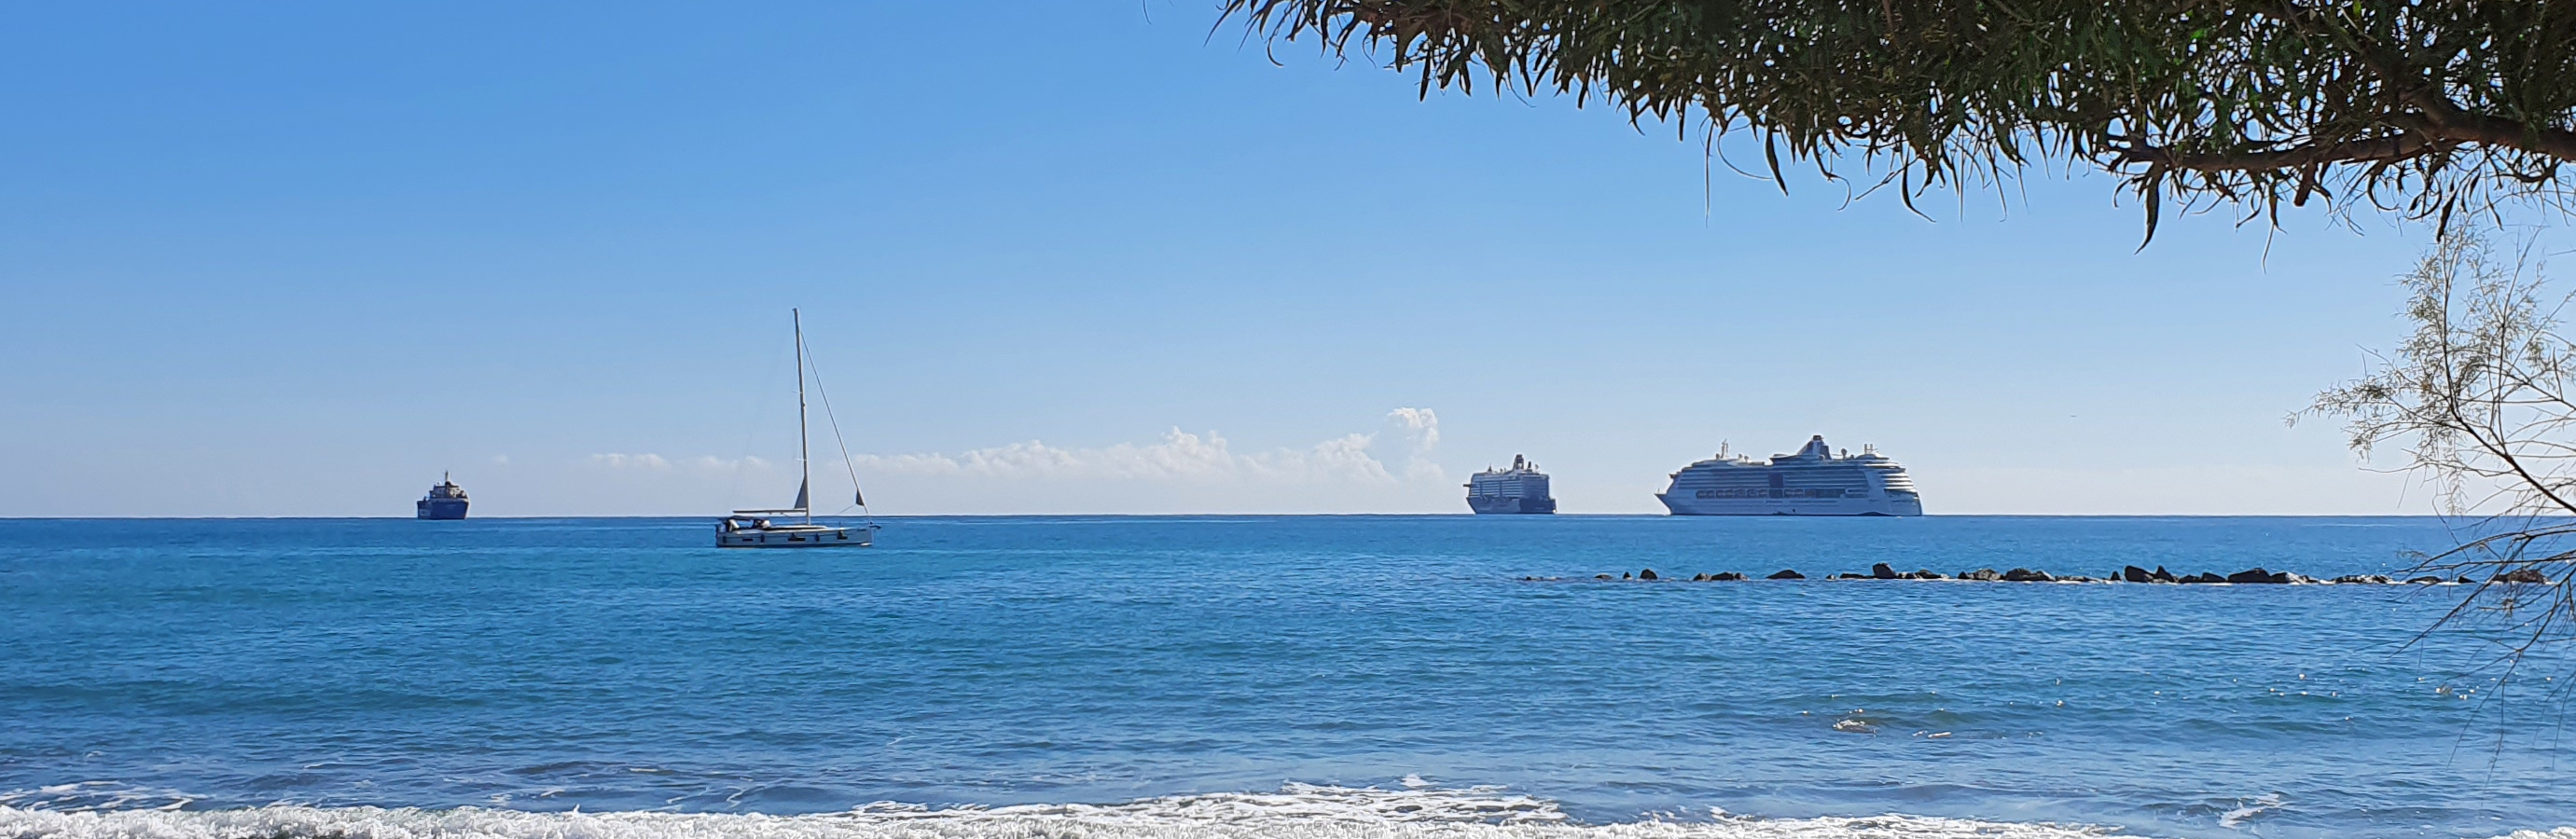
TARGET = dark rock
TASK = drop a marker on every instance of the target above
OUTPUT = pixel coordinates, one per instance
(1850, 576)
(1983, 575)
(1648, 574)
(2257, 575)
(2136, 574)
(2364, 579)
(1725, 577)
(1883, 572)
(1927, 574)
(2164, 576)
(1787, 574)
(2463, 580)
(2522, 575)
(1600, 576)
(2079, 578)
(1626, 576)
(2201, 578)
(2426, 581)
(2025, 575)
(1699, 578)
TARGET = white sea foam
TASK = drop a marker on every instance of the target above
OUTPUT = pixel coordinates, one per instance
(2235, 818)
(1296, 812)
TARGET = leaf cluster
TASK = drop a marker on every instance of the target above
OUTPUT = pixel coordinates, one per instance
(2483, 397)
(2419, 108)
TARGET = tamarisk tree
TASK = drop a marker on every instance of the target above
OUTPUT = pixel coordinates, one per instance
(2482, 399)
(2423, 109)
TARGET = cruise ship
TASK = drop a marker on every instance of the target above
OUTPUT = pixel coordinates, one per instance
(1814, 482)
(1520, 489)
(445, 502)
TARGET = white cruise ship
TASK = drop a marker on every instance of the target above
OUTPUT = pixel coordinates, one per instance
(1814, 482)
(1521, 489)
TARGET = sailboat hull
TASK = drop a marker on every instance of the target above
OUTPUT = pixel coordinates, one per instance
(817, 536)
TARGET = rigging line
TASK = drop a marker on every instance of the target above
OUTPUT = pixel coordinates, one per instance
(835, 422)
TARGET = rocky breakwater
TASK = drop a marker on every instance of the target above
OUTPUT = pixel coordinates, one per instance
(2128, 574)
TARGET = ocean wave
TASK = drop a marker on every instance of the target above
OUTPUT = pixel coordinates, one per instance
(1295, 812)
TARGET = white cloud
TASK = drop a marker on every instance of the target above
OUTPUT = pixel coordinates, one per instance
(658, 463)
(616, 460)
(1182, 456)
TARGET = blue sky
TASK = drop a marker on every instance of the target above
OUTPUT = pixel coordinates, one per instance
(298, 258)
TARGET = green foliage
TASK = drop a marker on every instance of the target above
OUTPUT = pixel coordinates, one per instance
(2420, 108)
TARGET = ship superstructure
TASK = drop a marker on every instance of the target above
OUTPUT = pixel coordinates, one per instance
(1520, 489)
(1814, 482)
(445, 502)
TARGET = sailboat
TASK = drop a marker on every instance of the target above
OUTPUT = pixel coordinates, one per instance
(770, 528)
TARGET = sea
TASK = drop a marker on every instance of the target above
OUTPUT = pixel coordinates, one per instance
(1279, 677)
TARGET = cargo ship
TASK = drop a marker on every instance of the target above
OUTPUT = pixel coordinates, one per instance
(445, 502)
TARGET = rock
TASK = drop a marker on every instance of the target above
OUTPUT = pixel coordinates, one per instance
(2426, 581)
(2025, 575)
(1882, 571)
(2201, 578)
(2257, 575)
(2297, 579)
(2463, 580)
(1725, 577)
(1699, 578)
(2077, 579)
(1787, 574)
(2164, 576)
(1851, 576)
(1600, 576)
(1983, 575)
(1626, 576)
(1927, 574)
(2364, 579)
(2522, 575)
(1648, 574)
(2136, 574)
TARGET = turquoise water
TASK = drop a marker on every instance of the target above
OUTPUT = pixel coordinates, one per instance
(1249, 676)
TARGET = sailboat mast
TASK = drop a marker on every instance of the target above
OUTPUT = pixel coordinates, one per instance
(804, 461)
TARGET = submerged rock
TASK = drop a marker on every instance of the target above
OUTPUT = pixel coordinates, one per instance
(1926, 574)
(2365, 579)
(2522, 575)
(1787, 574)
(2426, 581)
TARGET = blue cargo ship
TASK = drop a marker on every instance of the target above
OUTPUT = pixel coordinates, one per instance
(445, 502)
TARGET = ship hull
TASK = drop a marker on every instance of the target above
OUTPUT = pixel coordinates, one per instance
(440, 509)
(818, 537)
(1494, 506)
(1791, 506)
